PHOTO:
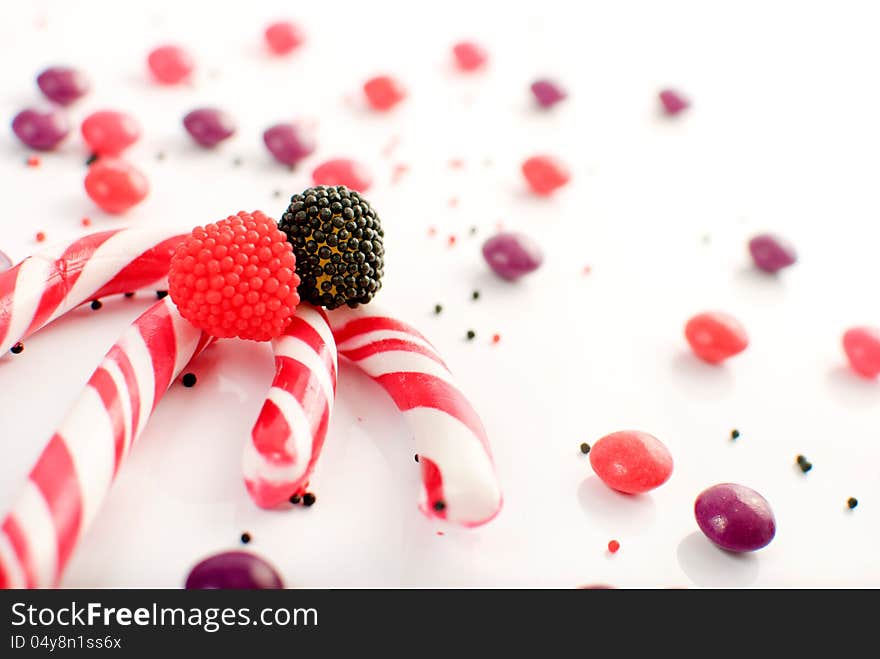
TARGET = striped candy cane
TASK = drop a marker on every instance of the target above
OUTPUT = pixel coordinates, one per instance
(49, 284)
(66, 487)
(457, 470)
(288, 436)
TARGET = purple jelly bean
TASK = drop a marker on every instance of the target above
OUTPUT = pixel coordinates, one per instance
(5, 262)
(42, 131)
(63, 85)
(548, 93)
(289, 143)
(209, 126)
(233, 570)
(512, 255)
(735, 517)
(772, 253)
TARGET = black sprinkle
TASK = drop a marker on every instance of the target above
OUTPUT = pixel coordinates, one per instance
(129, 294)
(476, 295)
(91, 159)
(245, 538)
(706, 239)
(804, 464)
(160, 155)
(417, 457)
(473, 231)
(585, 448)
(276, 194)
(471, 334)
(237, 161)
(189, 380)
(96, 304)
(161, 294)
(295, 499)
(439, 505)
(438, 309)
(852, 502)
(309, 499)
(17, 348)
(734, 434)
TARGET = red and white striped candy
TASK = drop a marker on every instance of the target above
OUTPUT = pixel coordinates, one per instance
(457, 470)
(288, 436)
(66, 487)
(50, 283)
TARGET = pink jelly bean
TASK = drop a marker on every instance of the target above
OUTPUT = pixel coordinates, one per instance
(343, 171)
(862, 347)
(170, 65)
(545, 174)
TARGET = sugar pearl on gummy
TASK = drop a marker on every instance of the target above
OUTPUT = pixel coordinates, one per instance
(170, 65)
(289, 143)
(41, 130)
(209, 126)
(631, 461)
(63, 85)
(512, 255)
(115, 185)
(862, 348)
(233, 570)
(545, 174)
(548, 93)
(283, 37)
(715, 336)
(343, 171)
(771, 253)
(109, 133)
(735, 517)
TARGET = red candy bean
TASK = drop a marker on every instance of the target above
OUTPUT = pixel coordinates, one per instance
(109, 133)
(116, 185)
(715, 336)
(631, 461)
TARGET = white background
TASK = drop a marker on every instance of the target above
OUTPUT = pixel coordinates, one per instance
(783, 136)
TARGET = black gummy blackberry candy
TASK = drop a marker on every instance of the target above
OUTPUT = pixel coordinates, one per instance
(337, 241)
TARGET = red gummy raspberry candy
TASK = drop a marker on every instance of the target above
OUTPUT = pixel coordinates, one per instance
(170, 64)
(115, 185)
(109, 133)
(383, 92)
(236, 277)
(862, 347)
(545, 174)
(631, 461)
(715, 336)
(283, 37)
(469, 56)
(343, 171)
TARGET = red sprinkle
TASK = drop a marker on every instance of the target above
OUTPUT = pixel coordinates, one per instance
(432, 231)
(451, 240)
(587, 269)
(453, 202)
(496, 338)
(40, 236)
(33, 161)
(456, 163)
(613, 546)
(86, 222)
(399, 170)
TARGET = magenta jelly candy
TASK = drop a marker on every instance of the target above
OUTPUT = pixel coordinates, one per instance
(170, 64)
(62, 84)
(630, 461)
(283, 37)
(715, 336)
(383, 92)
(735, 517)
(469, 56)
(862, 347)
(343, 171)
(512, 255)
(233, 570)
(673, 102)
(545, 174)
(289, 143)
(771, 253)
(209, 126)
(109, 133)
(548, 93)
(41, 130)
